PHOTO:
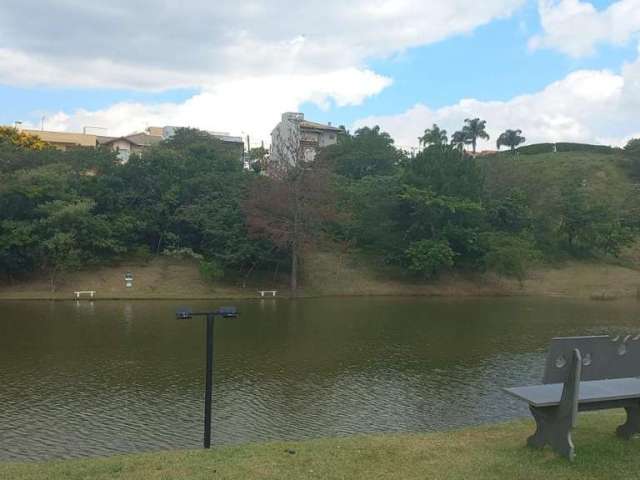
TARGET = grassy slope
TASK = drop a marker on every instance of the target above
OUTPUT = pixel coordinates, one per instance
(330, 274)
(489, 452)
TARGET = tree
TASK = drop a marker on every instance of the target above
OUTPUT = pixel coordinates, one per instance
(510, 138)
(430, 257)
(632, 153)
(369, 151)
(458, 139)
(474, 129)
(257, 158)
(290, 206)
(434, 136)
(21, 139)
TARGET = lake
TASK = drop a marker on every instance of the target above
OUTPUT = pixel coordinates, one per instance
(99, 378)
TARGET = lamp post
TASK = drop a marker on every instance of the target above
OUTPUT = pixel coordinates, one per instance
(223, 312)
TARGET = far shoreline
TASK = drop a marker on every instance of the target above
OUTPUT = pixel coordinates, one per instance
(163, 279)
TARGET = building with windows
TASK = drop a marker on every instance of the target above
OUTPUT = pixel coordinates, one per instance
(295, 139)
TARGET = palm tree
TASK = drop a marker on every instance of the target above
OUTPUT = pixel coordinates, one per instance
(474, 129)
(510, 138)
(434, 136)
(458, 139)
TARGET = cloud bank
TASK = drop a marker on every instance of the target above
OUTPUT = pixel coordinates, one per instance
(249, 60)
(586, 106)
(576, 28)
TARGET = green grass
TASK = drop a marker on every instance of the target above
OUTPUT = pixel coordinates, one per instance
(489, 452)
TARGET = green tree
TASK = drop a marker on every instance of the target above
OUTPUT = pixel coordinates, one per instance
(510, 138)
(290, 208)
(508, 254)
(369, 151)
(458, 140)
(473, 129)
(430, 257)
(632, 154)
(434, 136)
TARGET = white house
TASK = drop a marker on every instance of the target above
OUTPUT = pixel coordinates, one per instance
(295, 139)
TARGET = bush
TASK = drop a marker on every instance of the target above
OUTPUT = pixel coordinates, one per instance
(430, 257)
(211, 270)
(584, 147)
(537, 148)
(509, 255)
(181, 253)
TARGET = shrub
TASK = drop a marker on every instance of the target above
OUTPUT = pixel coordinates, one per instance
(537, 148)
(509, 255)
(211, 270)
(181, 253)
(430, 257)
(584, 147)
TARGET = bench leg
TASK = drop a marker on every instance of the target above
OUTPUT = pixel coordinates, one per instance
(632, 425)
(553, 429)
(554, 424)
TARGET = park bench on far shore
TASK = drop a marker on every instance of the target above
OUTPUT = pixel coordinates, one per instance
(583, 374)
(91, 293)
(271, 293)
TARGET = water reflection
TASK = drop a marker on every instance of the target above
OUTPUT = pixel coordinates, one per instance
(96, 378)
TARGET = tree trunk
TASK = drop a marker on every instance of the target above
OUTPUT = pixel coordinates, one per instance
(294, 270)
(473, 145)
(52, 281)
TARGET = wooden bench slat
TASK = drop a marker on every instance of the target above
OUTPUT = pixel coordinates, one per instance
(590, 391)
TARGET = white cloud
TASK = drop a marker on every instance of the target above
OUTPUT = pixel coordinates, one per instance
(142, 44)
(576, 27)
(250, 60)
(250, 105)
(586, 106)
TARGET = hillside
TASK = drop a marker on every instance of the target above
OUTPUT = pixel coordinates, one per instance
(330, 274)
(548, 223)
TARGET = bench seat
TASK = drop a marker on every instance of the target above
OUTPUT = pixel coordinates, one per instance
(593, 391)
(583, 374)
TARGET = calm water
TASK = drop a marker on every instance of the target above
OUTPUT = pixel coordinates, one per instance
(106, 377)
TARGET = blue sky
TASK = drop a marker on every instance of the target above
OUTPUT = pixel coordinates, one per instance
(386, 77)
(491, 63)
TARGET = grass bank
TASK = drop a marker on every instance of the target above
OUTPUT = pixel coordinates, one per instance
(493, 452)
(332, 274)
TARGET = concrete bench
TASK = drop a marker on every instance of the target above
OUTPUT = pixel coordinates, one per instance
(271, 293)
(85, 292)
(583, 374)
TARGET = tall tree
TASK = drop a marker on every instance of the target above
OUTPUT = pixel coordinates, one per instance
(458, 139)
(510, 138)
(289, 206)
(434, 136)
(473, 129)
(369, 151)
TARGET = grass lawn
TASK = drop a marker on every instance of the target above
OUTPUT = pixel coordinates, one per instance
(489, 452)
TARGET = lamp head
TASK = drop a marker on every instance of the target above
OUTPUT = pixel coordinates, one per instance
(228, 312)
(183, 314)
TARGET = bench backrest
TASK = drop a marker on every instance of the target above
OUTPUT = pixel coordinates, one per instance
(602, 357)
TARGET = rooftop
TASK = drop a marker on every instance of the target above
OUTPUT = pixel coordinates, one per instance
(318, 126)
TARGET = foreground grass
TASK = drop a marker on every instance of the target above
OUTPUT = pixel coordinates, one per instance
(490, 452)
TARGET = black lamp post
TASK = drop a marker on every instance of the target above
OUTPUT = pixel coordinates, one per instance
(224, 312)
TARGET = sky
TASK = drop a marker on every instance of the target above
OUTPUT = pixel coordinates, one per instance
(559, 70)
